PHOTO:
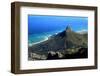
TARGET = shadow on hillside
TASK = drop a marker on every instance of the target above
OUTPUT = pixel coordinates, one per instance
(82, 53)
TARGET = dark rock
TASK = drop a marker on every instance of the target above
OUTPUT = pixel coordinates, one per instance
(64, 40)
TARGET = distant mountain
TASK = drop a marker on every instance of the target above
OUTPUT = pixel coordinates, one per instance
(63, 42)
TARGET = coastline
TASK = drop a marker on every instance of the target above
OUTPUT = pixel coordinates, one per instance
(45, 37)
(31, 44)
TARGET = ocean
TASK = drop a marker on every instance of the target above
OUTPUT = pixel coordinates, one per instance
(40, 37)
(41, 27)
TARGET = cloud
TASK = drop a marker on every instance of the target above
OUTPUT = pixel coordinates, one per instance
(83, 31)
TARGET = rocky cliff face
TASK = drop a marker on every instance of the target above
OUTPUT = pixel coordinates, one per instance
(65, 42)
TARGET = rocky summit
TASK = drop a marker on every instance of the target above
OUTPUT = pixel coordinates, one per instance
(64, 45)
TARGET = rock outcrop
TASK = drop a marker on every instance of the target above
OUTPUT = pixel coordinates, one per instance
(66, 42)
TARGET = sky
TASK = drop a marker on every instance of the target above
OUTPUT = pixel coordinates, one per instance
(43, 23)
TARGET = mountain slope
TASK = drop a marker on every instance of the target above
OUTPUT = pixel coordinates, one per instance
(63, 42)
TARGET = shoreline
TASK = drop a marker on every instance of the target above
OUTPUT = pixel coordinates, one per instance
(31, 44)
(45, 38)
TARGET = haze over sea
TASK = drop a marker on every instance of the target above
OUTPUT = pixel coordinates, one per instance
(41, 27)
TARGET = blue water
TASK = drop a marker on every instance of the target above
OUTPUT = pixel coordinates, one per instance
(37, 38)
(40, 27)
